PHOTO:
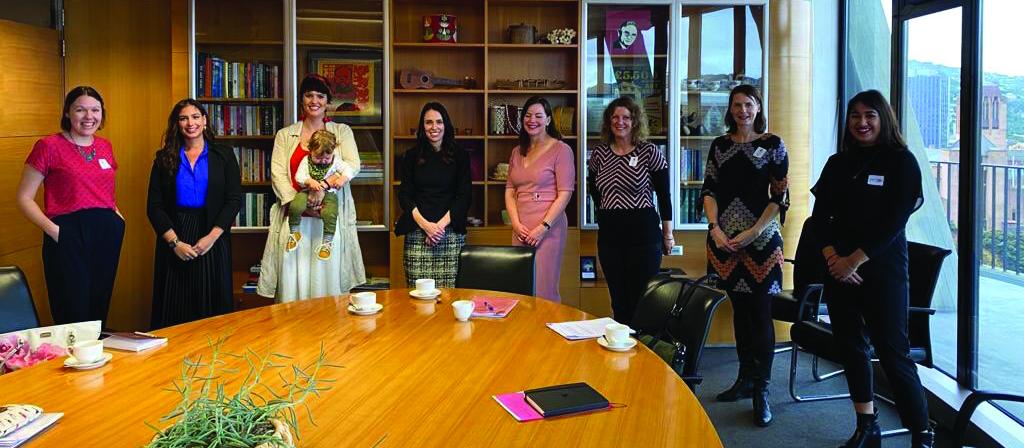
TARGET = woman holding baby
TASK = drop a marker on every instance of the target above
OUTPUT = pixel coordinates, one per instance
(295, 267)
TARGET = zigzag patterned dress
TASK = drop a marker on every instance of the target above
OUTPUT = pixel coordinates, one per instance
(744, 178)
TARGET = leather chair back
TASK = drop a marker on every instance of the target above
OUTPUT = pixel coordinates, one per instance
(694, 324)
(497, 268)
(17, 310)
(653, 308)
(925, 265)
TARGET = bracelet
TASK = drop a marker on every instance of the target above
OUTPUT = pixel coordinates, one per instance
(546, 225)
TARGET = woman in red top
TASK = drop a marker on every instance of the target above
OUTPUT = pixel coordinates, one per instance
(82, 226)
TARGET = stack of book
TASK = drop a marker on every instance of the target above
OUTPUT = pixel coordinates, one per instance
(372, 168)
(240, 119)
(134, 341)
(218, 78)
(255, 211)
(254, 163)
(253, 280)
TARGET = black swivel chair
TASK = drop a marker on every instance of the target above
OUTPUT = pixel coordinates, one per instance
(967, 408)
(815, 336)
(673, 318)
(497, 268)
(17, 310)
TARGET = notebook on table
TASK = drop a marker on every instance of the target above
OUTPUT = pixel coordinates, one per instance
(133, 341)
(492, 306)
(565, 399)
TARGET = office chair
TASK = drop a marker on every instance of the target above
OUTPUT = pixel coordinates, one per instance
(17, 310)
(673, 318)
(497, 268)
(967, 408)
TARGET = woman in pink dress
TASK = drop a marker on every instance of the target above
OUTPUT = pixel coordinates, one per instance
(541, 179)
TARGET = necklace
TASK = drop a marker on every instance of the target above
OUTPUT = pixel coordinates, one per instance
(88, 155)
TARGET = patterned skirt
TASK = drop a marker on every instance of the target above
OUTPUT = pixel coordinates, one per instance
(439, 262)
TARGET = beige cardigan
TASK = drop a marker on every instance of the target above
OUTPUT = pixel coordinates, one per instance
(282, 274)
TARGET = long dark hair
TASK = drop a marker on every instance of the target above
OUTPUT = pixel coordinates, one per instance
(889, 136)
(759, 122)
(524, 138)
(169, 156)
(639, 131)
(69, 99)
(448, 145)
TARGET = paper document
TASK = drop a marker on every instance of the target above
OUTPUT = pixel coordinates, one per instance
(581, 329)
(30, 430)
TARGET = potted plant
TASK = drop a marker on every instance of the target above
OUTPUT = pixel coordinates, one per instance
(257, 415)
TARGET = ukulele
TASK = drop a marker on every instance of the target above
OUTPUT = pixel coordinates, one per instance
(422, 79)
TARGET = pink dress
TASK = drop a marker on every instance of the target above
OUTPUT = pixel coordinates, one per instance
(536, 187)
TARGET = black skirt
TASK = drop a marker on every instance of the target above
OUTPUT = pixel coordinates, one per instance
(184, 291)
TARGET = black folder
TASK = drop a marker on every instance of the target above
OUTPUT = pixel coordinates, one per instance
(565, 399)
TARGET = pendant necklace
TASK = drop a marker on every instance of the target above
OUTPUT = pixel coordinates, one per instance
(81, 151)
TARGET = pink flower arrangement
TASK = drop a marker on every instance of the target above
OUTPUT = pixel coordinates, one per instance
(20, 355)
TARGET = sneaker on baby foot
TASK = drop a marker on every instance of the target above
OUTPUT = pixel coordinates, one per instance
(293, 241)
(324, 251)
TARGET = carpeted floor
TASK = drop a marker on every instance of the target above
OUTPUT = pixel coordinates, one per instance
(813, 424)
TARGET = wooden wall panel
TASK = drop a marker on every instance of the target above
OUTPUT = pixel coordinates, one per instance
(30, 84)
(123, 49)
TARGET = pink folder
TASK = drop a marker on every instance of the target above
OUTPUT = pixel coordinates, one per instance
(515, 403)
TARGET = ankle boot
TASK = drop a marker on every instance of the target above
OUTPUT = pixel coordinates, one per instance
(868, 433)
(922, 439)
(742, 388)
(762, 410)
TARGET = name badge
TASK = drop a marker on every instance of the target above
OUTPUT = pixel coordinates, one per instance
(760, 152)
(877, 181)
(104, 164)
(634, 160)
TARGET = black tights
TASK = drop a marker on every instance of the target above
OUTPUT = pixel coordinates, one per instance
(755, 335)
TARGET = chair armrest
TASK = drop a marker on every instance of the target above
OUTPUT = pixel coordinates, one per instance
(811, 298)
(970, 404)
(916, 309)
(692, 379)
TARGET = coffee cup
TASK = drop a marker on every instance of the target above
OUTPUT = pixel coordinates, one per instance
(363, 300)
(425, 285)
(463, 309)
(87, 352)
(617, 335)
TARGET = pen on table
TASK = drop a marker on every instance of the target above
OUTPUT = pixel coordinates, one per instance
(488, 305)
(149, 335)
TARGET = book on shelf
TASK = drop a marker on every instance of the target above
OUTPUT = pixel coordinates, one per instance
(691, 166)
(133, 341)
(244, 119)
(253, 280)
(219, 78)
(255, 211)
(254, 164)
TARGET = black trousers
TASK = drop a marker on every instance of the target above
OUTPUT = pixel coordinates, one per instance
(755, 335)
(80, 267)
(877, 309)
(627, 269)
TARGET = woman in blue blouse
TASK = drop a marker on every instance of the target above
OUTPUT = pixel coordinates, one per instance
(194, 196)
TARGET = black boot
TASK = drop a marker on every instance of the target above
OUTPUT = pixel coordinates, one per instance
(923, 439)
(867, 435)
(742, 388)
(762, 410)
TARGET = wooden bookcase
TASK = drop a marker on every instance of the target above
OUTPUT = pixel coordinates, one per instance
(483, 51)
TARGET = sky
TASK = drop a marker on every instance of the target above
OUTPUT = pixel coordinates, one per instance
(937, 38)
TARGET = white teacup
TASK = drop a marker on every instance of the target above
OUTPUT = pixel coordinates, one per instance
(617, 335)
(87, 352)
(425, 285)
(364, 300)
(463, 309)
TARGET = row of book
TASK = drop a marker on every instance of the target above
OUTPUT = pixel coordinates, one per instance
(689, 199)
(254, 163)
(255, 211)
(218, 78)
(372, 165)
(230, 119)
(691, 166)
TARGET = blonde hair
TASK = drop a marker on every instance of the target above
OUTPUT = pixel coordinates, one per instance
(322, 142)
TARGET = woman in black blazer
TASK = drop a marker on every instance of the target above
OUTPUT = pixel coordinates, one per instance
(194, 196)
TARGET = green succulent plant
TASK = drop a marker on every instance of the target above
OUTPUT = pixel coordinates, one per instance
(208, 416)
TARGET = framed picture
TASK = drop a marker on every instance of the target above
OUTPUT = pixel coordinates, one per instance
(624, 30)
(355, 76)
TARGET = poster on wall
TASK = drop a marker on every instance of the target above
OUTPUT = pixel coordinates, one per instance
(624, 30)
(355, 78)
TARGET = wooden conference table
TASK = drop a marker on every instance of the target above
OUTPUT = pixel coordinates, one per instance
(412, 376)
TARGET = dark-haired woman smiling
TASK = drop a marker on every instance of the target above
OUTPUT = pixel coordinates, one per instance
(863, 199)
(435, 195)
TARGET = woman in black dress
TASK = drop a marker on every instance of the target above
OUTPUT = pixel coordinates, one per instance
(745, 188)
(194, 196)
(863, 199)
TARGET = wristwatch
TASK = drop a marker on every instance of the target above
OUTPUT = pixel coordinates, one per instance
(173, 243)
(546, 225)
(712, 225)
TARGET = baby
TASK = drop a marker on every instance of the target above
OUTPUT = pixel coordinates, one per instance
(320, 170)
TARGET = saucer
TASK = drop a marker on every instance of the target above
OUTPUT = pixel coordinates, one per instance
(373, 309)
(73, 363)
(425, 296)
(604, 343)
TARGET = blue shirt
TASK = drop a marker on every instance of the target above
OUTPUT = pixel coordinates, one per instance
(192, 181)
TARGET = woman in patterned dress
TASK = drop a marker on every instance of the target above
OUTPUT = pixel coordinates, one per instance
(435, 194)
(745, 188)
